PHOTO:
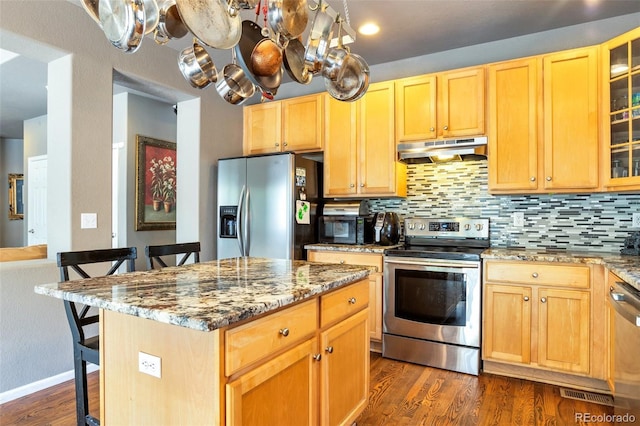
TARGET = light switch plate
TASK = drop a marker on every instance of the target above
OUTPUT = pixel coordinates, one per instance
(88, 220)
(150, 364)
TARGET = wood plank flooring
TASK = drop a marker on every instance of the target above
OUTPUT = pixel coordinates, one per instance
(401, 394)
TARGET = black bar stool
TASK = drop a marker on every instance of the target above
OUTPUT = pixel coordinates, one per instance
(87, 349)
(154, 253)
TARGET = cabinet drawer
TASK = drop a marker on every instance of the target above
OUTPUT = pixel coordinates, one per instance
(260, 338)
(343, 302)
(560, 275)
(346, 258)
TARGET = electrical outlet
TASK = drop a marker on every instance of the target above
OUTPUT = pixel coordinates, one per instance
(149, 364)
(635, 221)
(518, 219)
(88, 220)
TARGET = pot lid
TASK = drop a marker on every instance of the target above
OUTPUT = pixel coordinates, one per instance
(123, 23)
(214, 22)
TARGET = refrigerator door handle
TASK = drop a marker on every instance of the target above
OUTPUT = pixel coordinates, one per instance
(247, 229)
(240, 225)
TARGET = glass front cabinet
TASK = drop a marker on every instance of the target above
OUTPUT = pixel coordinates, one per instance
(621, 59)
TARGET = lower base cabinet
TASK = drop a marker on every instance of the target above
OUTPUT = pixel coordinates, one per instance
(285, 390)
(540, 322)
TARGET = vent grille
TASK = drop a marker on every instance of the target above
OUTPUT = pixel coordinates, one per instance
(587, 396)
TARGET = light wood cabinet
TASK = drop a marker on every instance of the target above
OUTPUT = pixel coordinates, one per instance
(344, 384)
(282, 391)
(443, 105)
(375, 281)
(538, 322)
(515, 90)
(295, 124)
(359, 148)
(543, 123)
(621, 118)
(570, 104)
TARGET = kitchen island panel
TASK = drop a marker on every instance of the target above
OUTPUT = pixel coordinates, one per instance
(188, 390)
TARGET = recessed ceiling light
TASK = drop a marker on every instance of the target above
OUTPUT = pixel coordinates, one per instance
(369, 29)
(6, 56)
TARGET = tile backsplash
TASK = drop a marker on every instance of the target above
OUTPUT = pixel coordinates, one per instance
(592, 222)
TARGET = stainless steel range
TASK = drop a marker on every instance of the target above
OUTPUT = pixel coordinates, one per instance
(432, 292)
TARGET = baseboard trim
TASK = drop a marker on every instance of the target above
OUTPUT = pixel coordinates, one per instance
(39, 385)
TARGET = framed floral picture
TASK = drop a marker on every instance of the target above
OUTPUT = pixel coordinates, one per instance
(155, 184)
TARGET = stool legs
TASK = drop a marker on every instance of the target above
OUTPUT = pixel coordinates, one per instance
(82, 398)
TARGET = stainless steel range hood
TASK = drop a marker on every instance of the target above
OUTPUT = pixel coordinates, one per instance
(443, 150)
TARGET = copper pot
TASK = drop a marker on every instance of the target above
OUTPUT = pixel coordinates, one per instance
(266, 58)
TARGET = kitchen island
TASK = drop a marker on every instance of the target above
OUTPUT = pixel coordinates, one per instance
(225, 342)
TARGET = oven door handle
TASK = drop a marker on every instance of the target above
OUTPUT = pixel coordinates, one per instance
(625, 309)
(432, 262)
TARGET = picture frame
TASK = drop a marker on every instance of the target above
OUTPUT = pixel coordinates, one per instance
(156, 162)
(16, 202)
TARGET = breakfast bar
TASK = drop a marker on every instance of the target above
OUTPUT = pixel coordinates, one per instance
(230, 341)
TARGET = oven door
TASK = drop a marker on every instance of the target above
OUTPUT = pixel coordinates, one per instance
(433, 299)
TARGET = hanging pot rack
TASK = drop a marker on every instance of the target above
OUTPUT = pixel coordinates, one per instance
(273, 12)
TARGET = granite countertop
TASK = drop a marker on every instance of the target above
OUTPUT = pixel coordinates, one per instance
(353, 248)
(626, 267)
(208, 295)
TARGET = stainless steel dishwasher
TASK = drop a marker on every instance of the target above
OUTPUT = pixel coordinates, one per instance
(625, 301)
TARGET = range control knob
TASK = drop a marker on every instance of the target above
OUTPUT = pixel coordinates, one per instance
(467, 227)
(422, 227)
(411, 225)
(478, 227)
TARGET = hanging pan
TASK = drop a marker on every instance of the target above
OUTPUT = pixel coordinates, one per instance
(319, 39)
(251, 36)
(293, 61)
(170, 24)
(196, 66)
(214, 22)
(92, 7)
(123, 23)
(288, 17)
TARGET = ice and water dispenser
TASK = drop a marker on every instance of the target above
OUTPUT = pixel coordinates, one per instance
(228, 221)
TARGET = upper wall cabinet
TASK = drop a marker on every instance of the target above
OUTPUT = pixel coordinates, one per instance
(543, 123)
(359, 154)
(570, 105)
(514, 98)
(443, 105)
(294, 124)
(621, 122)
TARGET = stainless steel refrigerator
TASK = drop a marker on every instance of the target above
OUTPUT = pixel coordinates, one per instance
(267, 205)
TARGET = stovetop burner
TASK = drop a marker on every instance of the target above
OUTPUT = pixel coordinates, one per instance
(451, 239)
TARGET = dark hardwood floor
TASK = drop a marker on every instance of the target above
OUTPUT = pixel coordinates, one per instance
(401, 394)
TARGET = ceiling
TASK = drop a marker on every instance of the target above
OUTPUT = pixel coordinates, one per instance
(408, 29)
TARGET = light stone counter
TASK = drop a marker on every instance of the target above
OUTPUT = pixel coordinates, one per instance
(209, 295)
(353, 248)
(626, 267)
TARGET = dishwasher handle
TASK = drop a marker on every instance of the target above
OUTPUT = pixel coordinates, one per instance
(620, 302)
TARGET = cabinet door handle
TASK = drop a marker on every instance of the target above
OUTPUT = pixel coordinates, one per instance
(532, 179)
(342, 262)
(543, 300)
(534, 275)
(277, 144)
(431, 129)
(446, 127)
(548, 178)
(352, 300)
(526, 298)
(285, 144)
(284, 332)
(329, 349)
(317, 357)
(351, 185)
(362, 185)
